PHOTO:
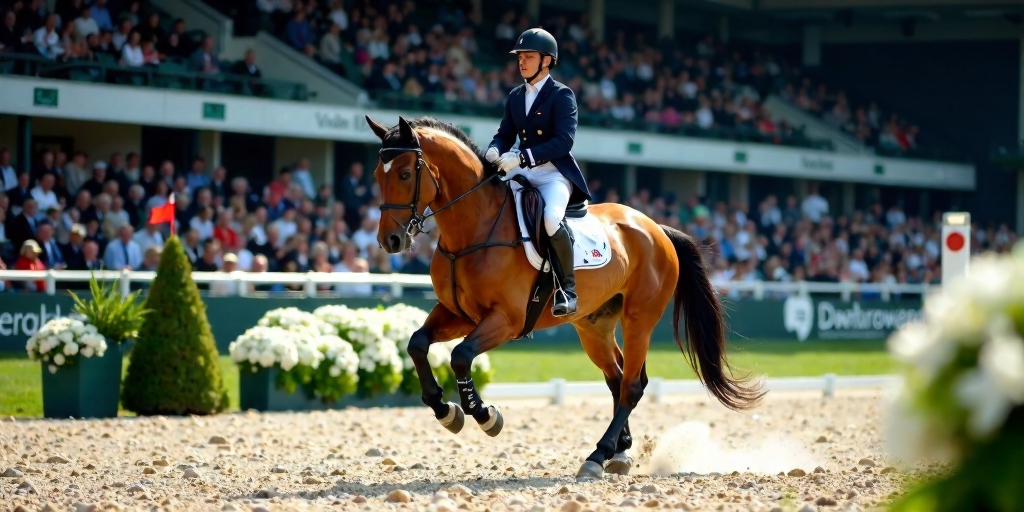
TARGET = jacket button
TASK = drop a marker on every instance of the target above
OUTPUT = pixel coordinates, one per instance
(540, 132)
(524, 131)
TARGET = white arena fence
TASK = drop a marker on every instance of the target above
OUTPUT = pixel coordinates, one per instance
(311, 281)
(556, 390)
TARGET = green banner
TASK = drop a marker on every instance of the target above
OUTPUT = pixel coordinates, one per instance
(796, 318)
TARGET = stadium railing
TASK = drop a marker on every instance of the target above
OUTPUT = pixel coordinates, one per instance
(311, 281)
(170, 74)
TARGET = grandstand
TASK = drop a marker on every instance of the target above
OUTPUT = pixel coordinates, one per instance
(801, 141)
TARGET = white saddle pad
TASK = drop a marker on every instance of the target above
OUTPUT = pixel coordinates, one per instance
(591, 249)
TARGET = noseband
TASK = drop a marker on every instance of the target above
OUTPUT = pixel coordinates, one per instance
(417, 219)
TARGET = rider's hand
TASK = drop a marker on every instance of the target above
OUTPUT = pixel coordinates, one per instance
(492, 154)
(509, 161)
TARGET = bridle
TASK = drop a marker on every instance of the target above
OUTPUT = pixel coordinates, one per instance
(417, 219)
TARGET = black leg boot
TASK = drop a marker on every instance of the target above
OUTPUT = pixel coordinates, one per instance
(562, 265)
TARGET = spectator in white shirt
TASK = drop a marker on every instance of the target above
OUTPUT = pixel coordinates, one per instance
(85, 25)
(47, 39)
(814, 206)
(202, 223)
(365, 237)
(149, 237)
(131, 52)
(123, 34)
(44, 195)
(858, 267)
(303, 177)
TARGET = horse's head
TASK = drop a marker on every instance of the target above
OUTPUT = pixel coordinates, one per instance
(407, 185)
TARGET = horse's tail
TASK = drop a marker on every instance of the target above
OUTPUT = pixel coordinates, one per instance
(705, 350)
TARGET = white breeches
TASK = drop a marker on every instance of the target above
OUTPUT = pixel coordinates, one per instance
(554, 188)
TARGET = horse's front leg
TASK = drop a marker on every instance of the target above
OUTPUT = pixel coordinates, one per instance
(492, 332)
(441, 325)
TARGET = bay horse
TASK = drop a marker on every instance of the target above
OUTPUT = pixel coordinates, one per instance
(483, 280)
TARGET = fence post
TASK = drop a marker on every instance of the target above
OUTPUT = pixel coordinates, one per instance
(51, 283)
(310, 287)
(559, 398)
(758, 290)
(241, 286)
(396, 289)
(847, 288)
(125, 284)
(886, 292)
(830, 384)
(654, 385)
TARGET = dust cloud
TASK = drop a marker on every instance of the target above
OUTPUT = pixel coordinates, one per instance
(690, 447)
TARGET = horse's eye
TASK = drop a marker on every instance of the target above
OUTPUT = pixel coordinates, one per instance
(406, 175)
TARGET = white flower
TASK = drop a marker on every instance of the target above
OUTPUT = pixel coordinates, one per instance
(335, 371)
(52, 368)
(918, 344)
(58, 359)
(1002, 358)
(66, 336)
(88, 352)
(70, 348)
(909, 435)
(977, 392)
(482, 363)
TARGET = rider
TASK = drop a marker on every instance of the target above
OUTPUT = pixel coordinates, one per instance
(542, 114)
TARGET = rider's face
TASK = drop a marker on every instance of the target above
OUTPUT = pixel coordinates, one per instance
(529, 63)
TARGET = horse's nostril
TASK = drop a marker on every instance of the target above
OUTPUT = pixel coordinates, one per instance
(395, 242)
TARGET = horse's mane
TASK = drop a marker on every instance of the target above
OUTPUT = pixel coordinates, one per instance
(394, 135)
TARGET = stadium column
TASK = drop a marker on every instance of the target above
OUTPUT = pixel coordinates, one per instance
(1020, 140)
(630, 182)
(739, 188)
(597, 20)
(533, 9)
(25, 143)
(667, 19)
(812, 45)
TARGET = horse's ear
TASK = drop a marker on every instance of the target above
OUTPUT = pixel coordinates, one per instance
(380, 130)
(407, 133)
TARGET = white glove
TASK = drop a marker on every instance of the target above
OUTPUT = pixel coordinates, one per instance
(492, 154)
(509, 161)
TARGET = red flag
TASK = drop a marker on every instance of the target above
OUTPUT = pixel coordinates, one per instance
(163, 213)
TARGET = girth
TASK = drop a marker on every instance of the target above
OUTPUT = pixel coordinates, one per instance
(452, 257)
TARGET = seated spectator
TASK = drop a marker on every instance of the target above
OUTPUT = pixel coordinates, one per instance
(131, 52)
(123, 252)
(151, 259)
(226, 288)
(204, 60)
(29, 260)
(247, 67)
(48, 41)
(298, 33)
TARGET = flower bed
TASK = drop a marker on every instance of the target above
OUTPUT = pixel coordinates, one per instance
(337, 357)
(963, 399)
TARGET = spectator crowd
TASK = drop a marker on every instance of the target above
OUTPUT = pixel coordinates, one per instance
(81, 213)
(428, 50)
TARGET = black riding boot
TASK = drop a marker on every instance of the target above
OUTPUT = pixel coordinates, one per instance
(562, 265)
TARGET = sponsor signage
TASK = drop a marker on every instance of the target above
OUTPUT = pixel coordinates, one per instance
(807, 318)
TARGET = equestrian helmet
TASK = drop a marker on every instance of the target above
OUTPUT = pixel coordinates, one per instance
(538, 40)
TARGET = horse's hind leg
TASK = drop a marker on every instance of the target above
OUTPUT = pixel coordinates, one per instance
(597, 335)
(642, 307)
(492, 332)
(441, 325)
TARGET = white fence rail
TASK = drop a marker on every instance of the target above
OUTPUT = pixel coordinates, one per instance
(311, 281)
(557, 390)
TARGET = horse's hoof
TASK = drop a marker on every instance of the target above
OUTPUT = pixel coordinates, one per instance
(589, 470)
(455, 420)
(620, 464)
(492, 426)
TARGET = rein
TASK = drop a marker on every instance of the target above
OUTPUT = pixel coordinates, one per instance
(417, 219)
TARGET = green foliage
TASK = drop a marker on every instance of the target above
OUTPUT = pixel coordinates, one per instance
(989, 477)
(116, 317)
(381, 381)
(174, 368)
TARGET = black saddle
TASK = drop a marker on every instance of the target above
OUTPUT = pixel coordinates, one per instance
(531, 204)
